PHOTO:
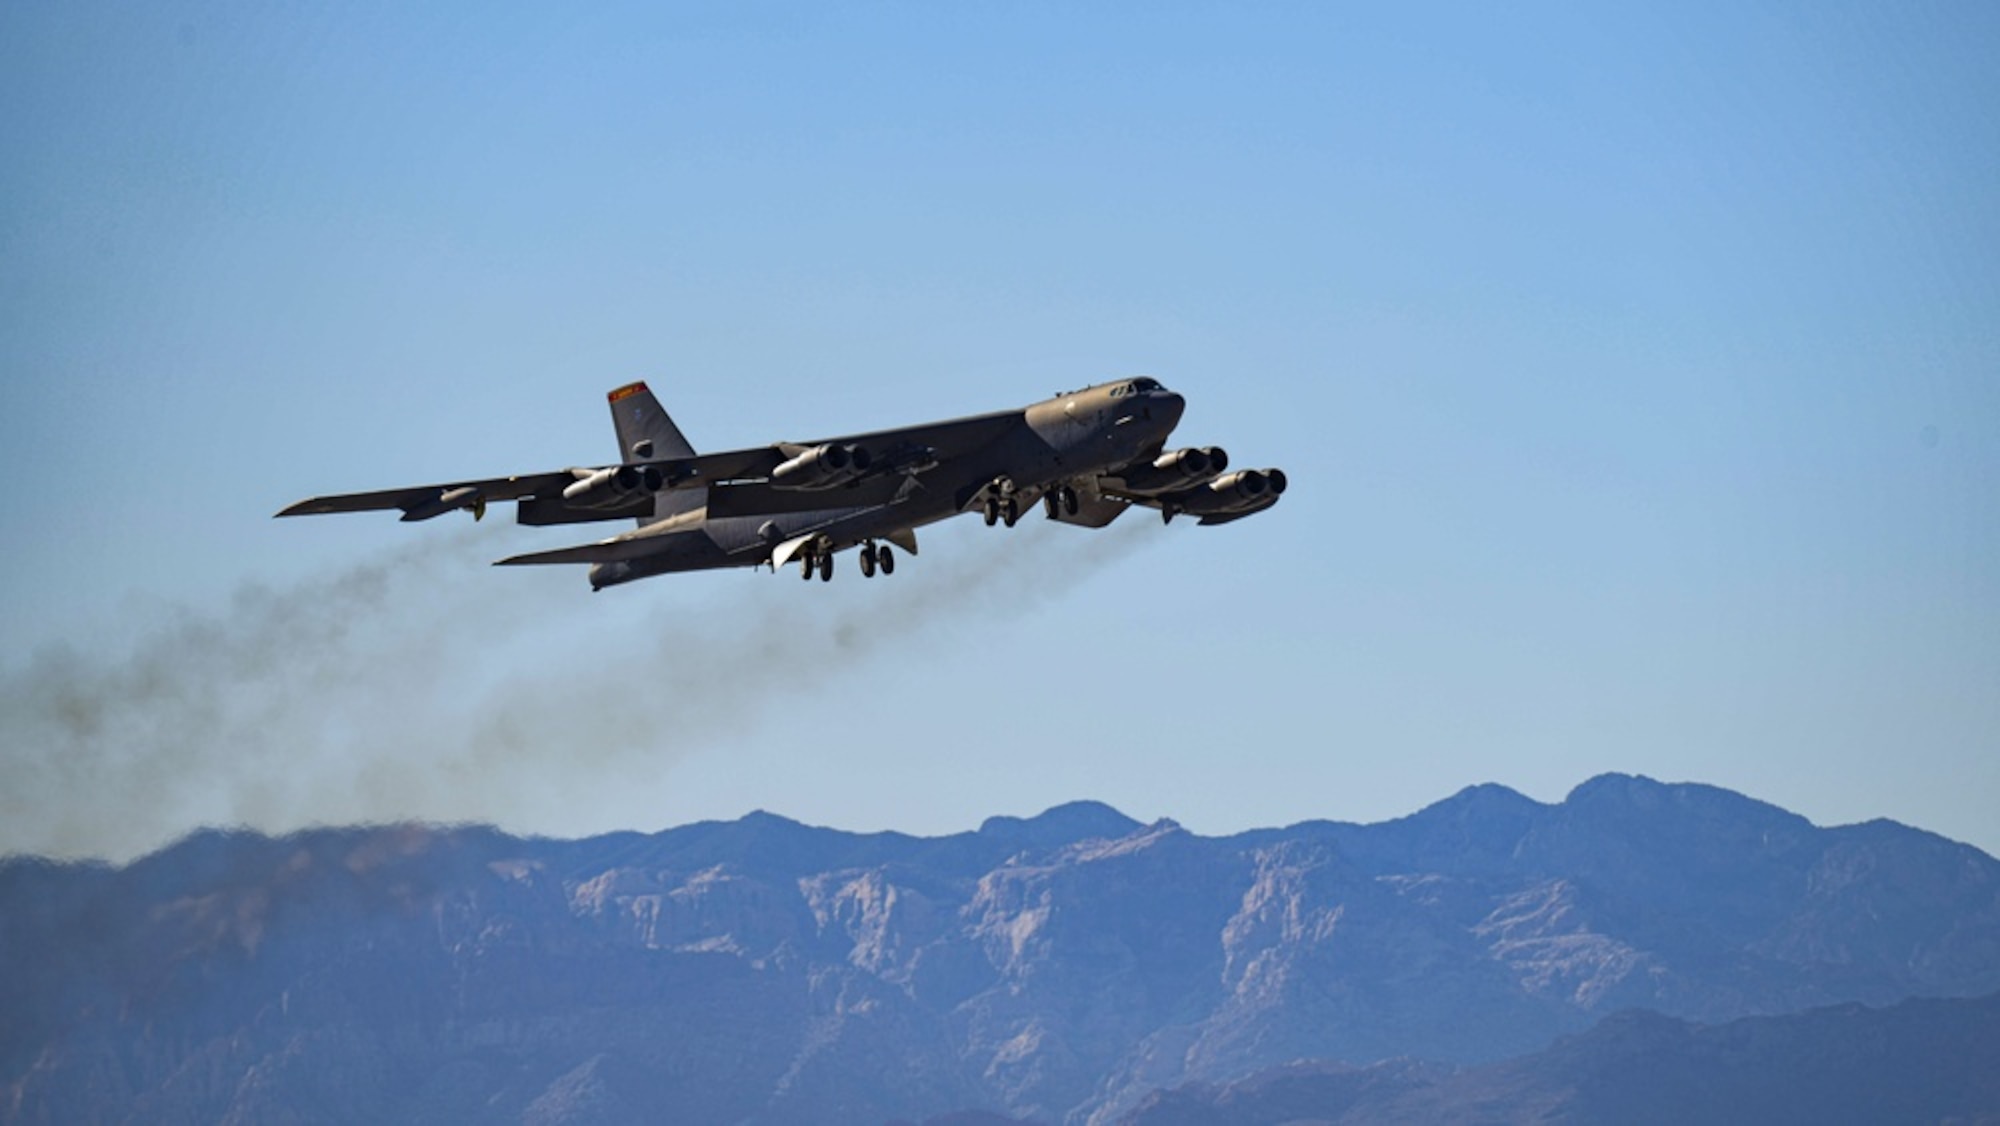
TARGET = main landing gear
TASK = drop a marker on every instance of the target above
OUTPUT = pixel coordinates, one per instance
(1002, 510)
(1003, 503)
(1060, 502)
(816, 562)
(1003, 506)
(874, 557)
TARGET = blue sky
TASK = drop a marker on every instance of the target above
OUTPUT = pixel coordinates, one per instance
(1637, 373)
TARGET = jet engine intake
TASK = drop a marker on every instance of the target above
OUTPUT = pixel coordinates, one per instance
(822, 467)
(612, 487)
(1175, 469)
(1235, 492)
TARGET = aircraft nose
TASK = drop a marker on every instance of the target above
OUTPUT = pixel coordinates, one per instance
(1167, 408)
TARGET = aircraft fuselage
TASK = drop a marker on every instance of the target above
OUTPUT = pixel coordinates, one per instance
(1069, 436)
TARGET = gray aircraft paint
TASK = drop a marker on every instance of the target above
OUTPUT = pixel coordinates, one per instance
(733, 510)
(1070, 435)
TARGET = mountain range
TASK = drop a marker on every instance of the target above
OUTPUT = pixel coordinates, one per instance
(1920, 1061)
(1075, 967)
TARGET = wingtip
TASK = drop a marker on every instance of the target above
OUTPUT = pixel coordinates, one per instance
(634, 388)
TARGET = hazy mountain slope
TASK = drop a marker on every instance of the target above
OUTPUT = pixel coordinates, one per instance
(1924, 1061)
(1059, 968)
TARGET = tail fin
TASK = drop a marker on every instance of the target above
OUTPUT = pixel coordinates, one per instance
(647, 433)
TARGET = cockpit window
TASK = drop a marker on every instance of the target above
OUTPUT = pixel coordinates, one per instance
(1134, 387)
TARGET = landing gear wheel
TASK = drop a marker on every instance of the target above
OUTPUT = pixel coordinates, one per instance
(1010, 512)
(867, 560)
(885, 560)
(826, 567)
(992, 511)
(1066, 496)
(806, 566)
(1051, 505)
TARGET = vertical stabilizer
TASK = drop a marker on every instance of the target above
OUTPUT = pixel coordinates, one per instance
(647, 433)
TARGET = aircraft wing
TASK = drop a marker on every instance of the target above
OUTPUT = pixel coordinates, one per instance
(603, 551)
(743, 486)
(416, 499)
(542, 494)
(948, 440)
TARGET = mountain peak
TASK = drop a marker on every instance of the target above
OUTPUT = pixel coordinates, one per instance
(1474, 829)
(1612, 784)
(1488, 797)
(1063, 824)
(1623, 795)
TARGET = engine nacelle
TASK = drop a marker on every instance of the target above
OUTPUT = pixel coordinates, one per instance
(612, 488)
(1175, 469)
(822, 467)
(1240, 491)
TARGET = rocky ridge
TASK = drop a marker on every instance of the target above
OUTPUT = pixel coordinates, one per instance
(1060, 968)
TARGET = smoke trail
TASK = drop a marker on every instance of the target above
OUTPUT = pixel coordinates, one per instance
(410, 687)
(209, 718)
(730, 662)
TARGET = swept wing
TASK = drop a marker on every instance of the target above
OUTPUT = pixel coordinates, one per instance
(543, 495)
(894, 458)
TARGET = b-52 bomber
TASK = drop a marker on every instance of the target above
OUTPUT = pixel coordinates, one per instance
(1086, 456)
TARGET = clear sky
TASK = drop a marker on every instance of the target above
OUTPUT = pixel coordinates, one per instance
(1637, 372)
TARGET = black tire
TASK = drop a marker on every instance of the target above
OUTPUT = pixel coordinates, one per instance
(806, 567)
(867, 560)
(1010, 512)
(826, 567)
(992, 512)
(885, 560)
(1068, 499)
